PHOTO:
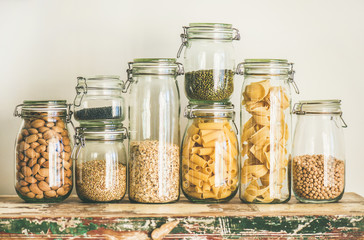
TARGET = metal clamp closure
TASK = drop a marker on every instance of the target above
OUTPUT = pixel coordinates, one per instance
(238, 70)
(16, 112)
(180, 69)
(81, 88)
(236, 33)
(184, 41)
(291, 79)
(129, 81)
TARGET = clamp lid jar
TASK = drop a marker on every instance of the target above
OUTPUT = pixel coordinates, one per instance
(318, 165)
(209, 61)
(99, 100)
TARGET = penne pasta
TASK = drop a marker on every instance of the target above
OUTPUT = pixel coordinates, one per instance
(194, 181)
(211, 125)
(199, 161)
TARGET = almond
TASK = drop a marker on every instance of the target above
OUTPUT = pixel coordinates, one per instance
(45, 155)
(24, 132)
(61, 191)
(21, 156)
(35, 189)
(32, 130)
(44, 172)
(31, 138)
(44, 186)
(30, 153)
(37, 123)
(49, 134)
(41, 161)
(19, 175)
(50, 124)
(35, 169)
(42, 141)
(67, 181)
(32, 162)
(30, 179)
(57, 129)
(39, 196)
(60, 124)
(67, 148)
(45, 164)
(68, 172)
(23, 183)
(23, 146)
(54, 187)
(64, 133)
(40, 135)
(30, 195)
(39, 177)
(34, 145)
(66, 141)
(24, 190)
(43, 129)
(41, 148)
(50, 193)
(66, 165)
(26, 171)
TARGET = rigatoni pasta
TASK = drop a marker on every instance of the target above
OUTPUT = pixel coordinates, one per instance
(211, 160)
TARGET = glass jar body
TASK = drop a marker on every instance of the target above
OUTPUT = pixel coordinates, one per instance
(43, 158)
(210, 163)
(99, 101)
(318, 164)
(265, 138)
(101, 169)
(154, 112)
(210, 68)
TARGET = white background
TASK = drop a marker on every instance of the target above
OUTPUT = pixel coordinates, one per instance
(45, 45)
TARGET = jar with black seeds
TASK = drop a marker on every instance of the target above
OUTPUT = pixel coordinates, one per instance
(209, 62)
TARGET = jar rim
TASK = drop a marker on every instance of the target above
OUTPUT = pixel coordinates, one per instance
(210, 25)
(265, 66)
(325, 106)
(155, 60)
(218, 110)
(102, 77)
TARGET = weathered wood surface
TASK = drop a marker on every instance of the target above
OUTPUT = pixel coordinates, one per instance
(73, 219)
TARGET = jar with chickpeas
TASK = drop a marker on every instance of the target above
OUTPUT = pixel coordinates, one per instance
(318, 164)
(210, 154)
(43, 152)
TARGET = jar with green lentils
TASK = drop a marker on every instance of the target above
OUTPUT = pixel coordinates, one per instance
(209, 61)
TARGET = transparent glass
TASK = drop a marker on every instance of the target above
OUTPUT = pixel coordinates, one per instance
(265, 132)
(154, 111)
(99, 101)
(318, 164)
(209, 63)
(101, 166)
(43, 153)
(210, 152)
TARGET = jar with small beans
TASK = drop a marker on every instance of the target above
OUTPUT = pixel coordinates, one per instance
(209, 61)
(265, 130)
(210, 154)
(100, 157)
(318, 164)
(43, 152)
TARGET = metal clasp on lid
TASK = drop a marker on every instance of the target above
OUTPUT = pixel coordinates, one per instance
(291, 79)
(16, 112)
(180, 69)
(129, 81)
(237, 34)
(238, 69)
(184, 41)
(81, 88)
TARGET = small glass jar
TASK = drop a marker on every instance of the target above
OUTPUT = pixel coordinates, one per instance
(265, 130)
(99, 101)
(318, 165)
(209, 61)
(100, 157)
(43, 152)
(210, 153)
(154, 122)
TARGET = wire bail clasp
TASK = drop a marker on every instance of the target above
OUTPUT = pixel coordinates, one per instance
(81, 89)
(291, 79)
(184, 41)
(129, 81)
(16, 112)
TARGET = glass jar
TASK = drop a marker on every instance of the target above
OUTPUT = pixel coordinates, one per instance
(318, 165)
(265, 130)
(210, 153)
(99, 101)
(154, 112)
(100, 157)
(209, 61)
(43, 152)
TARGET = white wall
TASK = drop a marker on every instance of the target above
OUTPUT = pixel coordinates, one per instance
(45, 45)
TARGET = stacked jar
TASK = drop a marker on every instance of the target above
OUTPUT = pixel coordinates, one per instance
(154, 111)
(265, 130)
(210, 147)
(100, 153)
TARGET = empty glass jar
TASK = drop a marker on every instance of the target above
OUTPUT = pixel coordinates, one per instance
(318, 164)
(99, 101)
(100, 157)
(43, 152)
(265, 130)
(210, 153)
(154, 111)
(209, 61)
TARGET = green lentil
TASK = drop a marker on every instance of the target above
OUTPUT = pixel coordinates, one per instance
(209, 85)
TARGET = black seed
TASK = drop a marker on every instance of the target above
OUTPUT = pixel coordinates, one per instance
(99, 113)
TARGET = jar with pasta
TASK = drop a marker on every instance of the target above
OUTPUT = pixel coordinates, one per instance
(43, 152)
(265, 130)
(318, 164)
(210, 152)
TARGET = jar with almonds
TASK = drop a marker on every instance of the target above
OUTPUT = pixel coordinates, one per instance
(318, 164)
(43, 152)
(210, 151)
(265, 130)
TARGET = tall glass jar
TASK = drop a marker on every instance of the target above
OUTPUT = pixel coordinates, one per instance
(210, 153)
(43, 152)
(265, 130)
(99, 100)
(209, 61)
(154, 110)
(100, 157)
(318, 165)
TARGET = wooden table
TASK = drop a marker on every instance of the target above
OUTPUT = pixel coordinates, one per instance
(73, 219)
